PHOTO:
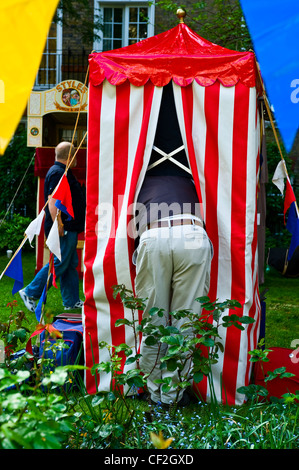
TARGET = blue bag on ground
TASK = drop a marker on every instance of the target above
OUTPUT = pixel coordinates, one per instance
(72, 332)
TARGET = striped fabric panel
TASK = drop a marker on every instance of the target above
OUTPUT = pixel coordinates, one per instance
(121, 127)
(224, 149)
(220, 130)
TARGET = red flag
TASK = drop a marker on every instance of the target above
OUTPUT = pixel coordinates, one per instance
(64, 197)
(52, 269)
(289, 198)
(39, 329)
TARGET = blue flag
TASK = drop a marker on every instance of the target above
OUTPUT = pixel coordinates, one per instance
(15, 271)
(293, 228)
(273, 27)
(42, 300)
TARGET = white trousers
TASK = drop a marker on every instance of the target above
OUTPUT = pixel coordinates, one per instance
(172, 270)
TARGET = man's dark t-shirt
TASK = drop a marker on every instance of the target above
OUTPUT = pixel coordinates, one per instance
(78, 199)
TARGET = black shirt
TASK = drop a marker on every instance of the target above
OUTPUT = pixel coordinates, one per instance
(78, 199)
(167, 188)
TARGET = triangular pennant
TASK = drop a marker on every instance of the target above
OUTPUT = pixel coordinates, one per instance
(52, 270)
(63, 197)
(279, 176)
(35, 226)
(15, 271)
(53, 240)
(42, 300)
(293, 228)
(289, 197)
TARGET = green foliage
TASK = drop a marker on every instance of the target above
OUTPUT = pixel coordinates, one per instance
(16, 161)
(183, 346)
(12, 332)
(80, 15)
(12, 232)
(45, 406)
(221, 22)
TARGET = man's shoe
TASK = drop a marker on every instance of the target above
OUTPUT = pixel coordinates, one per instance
(78, 304)
(29, 303)
(185, 400)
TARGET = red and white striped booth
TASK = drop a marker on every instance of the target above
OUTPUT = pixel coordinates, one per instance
(216, 99)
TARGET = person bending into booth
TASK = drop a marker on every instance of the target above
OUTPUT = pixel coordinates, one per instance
(66, 269)
(173, 255)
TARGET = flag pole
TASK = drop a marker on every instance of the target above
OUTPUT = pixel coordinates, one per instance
(78, 114)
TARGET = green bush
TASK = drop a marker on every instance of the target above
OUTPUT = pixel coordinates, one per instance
(17, 181)
(12, 232)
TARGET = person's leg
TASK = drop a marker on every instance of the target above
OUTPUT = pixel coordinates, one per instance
(67, 270)
(153, 279)
(35, 289)
(31, 293)
(64, 269)
(191, 251)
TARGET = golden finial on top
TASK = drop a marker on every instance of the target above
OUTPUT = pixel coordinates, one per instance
(181, 13)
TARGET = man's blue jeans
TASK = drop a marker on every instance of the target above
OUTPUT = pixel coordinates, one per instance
(64, 269)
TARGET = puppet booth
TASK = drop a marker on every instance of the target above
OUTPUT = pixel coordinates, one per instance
(216, 101)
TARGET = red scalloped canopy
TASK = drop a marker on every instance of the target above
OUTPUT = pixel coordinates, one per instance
(178, 54)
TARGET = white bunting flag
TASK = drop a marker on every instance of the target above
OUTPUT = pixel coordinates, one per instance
(53, 240)
(279, 176)
(34, 227)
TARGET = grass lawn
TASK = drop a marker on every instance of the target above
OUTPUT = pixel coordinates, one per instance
(107, 425)
(282, 309)
(282, 302)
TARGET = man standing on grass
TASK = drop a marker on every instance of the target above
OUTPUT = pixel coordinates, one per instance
(66, 269)
(174, 252)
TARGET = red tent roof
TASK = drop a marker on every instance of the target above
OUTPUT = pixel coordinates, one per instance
(179, 54)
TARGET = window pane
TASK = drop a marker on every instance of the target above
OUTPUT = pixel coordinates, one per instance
(107, 15)
(117, 44)
(43, 63)
(42, 76)
(107, 44)
(142, 31)
(133, 15)
(52, 45)
(118, 29)
(143, 15)
(52, 61)
(133, 31)
(107, 30)
(52, 77)
(52, 31)
(118, 15)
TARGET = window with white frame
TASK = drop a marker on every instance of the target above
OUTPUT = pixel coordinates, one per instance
(124, 23)
(49, 70)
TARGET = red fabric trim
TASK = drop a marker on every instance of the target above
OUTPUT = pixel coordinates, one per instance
(90, 309)
(238, 238)
(120, 166)
(178, 54)
(147, 106)
(211, 170)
